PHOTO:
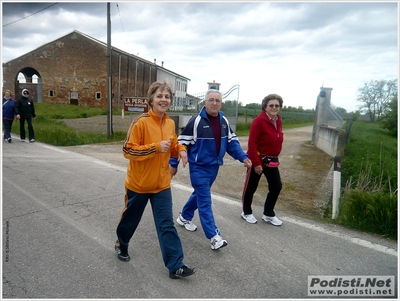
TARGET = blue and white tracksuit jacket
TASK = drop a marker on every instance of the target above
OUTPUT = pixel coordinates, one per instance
(204, 163)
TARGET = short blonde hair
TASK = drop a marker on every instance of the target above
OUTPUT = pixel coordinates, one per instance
(8, 92)
(158, 85)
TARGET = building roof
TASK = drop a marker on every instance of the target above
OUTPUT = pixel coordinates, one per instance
(113, 49)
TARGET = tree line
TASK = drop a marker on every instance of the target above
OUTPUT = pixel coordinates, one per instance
(379, 101)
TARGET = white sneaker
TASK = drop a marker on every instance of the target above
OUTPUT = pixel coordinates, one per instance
(217, 242)
(249, 218)
(273, 220)
(186, 223)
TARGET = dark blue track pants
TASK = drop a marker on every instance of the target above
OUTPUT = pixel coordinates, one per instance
(161, 204)
(7, 128)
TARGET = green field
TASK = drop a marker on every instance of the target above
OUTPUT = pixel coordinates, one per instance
(49, 127)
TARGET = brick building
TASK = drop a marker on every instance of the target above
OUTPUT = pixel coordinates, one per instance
(73, 70)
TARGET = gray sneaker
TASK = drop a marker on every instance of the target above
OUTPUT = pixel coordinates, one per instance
(249, 218)
(186, 223)
(272, 220)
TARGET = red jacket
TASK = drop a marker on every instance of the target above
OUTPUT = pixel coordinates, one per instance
(264, 138)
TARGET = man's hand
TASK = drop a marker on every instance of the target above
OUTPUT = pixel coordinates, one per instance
(173, 170)
(247, 162)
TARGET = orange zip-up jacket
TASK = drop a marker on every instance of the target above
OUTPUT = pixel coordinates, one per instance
(148, 168)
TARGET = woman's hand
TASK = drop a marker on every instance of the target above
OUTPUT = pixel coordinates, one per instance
(258, 170)
(183, 157)
(165, 145)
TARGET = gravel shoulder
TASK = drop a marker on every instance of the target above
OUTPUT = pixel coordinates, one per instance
(306, 171)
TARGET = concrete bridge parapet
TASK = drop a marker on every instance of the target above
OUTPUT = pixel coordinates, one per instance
(331, 140)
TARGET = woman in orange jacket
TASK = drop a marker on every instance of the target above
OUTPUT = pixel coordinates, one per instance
(150, 142)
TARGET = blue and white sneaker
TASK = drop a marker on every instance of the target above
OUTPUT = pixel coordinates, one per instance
(217, 242)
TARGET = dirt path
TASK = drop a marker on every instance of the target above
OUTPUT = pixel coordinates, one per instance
(305, 169)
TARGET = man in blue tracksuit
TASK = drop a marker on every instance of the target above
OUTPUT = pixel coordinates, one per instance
(207, 137)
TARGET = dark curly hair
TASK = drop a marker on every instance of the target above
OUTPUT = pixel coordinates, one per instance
(269, 97)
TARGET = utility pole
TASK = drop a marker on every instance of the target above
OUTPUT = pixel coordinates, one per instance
(109, 92)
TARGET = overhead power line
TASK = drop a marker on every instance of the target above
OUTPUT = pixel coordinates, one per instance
(120, 19)
(30, 15)
(122, 26)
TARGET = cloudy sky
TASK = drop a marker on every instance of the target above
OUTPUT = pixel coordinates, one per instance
(288, 48)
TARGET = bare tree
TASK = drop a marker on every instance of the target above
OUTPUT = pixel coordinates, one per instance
(376, 96)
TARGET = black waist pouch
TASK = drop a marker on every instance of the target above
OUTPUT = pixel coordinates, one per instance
(271, 162)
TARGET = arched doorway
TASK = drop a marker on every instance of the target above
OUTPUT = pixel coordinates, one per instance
(29, 78)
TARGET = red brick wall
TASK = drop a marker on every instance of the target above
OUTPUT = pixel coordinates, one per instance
(77, 63)
(124, 77)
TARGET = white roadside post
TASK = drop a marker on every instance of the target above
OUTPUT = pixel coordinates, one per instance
(337, 169)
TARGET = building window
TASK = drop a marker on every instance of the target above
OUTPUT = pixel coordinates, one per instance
(51, 93)
(98, 95)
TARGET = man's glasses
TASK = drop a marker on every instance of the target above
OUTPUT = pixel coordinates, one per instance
(276, 106)
(214, 100)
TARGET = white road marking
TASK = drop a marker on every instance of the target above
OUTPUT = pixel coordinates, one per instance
(354, 240)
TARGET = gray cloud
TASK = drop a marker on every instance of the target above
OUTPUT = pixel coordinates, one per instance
(300, 44)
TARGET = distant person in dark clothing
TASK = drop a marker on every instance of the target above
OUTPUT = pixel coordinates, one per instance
(25, 110)
(8, 114)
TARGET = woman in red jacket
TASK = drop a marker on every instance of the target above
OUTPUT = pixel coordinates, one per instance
(264, 147)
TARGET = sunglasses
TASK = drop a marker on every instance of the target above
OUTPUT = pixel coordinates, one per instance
(26, 93)
(276, 106)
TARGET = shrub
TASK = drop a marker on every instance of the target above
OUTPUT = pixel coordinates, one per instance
(370, 149)
(371, 212)
(390, 119)
(369, 174)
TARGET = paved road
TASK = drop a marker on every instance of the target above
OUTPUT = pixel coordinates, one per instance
(60, 211)
(309, 189)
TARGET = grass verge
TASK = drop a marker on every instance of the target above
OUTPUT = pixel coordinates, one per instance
(51, 130)
(369, 175)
